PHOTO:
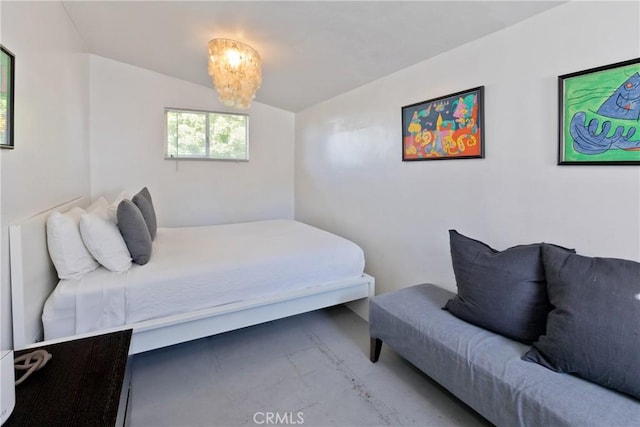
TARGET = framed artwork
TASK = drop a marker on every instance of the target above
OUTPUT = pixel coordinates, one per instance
(599, 115)
(449, 127)
(7, 69)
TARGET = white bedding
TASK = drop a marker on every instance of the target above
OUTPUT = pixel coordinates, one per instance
(193, 268)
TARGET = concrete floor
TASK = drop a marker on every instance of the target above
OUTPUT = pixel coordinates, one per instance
(311, 369)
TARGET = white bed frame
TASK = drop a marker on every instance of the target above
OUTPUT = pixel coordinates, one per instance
(33, 278)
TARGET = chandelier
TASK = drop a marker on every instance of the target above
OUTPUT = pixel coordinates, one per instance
(236, 71)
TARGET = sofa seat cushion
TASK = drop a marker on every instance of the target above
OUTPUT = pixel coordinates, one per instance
(484, 369)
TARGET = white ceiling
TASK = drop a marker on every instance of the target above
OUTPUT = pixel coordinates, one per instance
(312, 50)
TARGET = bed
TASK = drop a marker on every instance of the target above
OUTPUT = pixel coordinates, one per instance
(200, 281)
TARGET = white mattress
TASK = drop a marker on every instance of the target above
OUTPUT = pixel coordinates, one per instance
(193, 268)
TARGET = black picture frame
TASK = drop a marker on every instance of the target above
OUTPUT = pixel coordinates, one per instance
(598, 115)
(7, 97)
(445, 128)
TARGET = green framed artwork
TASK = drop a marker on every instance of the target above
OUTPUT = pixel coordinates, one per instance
(7, 69)
(599, 115)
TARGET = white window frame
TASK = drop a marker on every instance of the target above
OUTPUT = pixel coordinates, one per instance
(207, 156)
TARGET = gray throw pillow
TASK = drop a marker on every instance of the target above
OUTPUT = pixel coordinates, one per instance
(134, 232)
(504, 292)
(143, 201)
(593, 330)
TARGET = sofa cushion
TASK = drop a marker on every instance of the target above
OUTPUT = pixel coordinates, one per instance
(502, 291)
(484, 369)
(593, 330)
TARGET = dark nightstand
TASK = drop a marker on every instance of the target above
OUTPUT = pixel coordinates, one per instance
(82, 384)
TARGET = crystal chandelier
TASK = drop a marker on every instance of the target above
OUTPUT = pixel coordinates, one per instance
(236, 71)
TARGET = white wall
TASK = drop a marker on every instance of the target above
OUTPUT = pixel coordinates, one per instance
(127, 151)
(50, 162)
(350, 178)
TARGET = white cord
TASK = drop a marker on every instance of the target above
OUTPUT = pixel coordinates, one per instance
(31, 363)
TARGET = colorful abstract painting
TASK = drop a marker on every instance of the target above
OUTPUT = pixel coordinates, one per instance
(449, 127)
(600, 115)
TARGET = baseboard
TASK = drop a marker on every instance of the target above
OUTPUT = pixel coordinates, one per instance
(360, 307)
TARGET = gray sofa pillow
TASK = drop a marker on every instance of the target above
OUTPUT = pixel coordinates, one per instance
(504, 292)
(143, 201)
(134, 232)
(593, 330)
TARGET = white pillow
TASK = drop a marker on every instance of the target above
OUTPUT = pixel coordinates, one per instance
(66, 248)
(103, 239)
(100, 202)
(113, 207)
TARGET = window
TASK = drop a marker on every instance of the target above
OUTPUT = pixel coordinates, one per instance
(206, 135)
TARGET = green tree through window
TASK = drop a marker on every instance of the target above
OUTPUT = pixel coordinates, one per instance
(206, 135)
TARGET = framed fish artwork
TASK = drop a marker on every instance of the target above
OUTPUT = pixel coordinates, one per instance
(599, 115)
(448, 127)
(7, 69)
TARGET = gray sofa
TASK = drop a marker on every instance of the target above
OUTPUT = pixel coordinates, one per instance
(484, 369)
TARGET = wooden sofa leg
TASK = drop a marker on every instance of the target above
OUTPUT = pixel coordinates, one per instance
(374, 349)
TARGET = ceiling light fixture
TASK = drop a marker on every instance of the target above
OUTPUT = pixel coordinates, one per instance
(236, 71)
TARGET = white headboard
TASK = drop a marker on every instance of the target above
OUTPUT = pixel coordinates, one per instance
(33, 276)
